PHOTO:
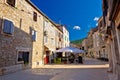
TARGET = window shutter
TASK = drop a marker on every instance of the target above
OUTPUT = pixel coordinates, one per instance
(11, 28)
(45, 39)
(8, 27)
(34, 16)
(34, 36)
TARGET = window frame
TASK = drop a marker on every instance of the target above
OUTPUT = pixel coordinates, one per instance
(52, 40)
(18, 52)
(34, 33)
(34, 16)
(45, 39)
(46, 23)
(2, 24)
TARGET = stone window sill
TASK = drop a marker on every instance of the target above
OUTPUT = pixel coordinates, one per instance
(20, 62)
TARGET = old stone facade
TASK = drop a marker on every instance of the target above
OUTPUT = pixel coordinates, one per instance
(58, 37)
(27, 36)
(84, 44)
(66, 41)
(90, 44)
(21, 45)
(111, 15)
(49, 40)
(96, 46)
(101, 34)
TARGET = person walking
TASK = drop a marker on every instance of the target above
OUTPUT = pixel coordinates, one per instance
(71, 58)
(80, 60)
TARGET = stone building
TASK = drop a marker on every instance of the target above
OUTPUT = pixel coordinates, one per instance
(90, 44)
(79, 46)
(21, 35)
(66, 41)
(102, 45)
(59, 36)
(49, 40)
(96, 41)
(111, 17)
(65, 35)
(53, 40)
(27, 36)
(84, 45)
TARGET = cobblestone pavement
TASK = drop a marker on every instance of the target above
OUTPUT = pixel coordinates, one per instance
(91, 70)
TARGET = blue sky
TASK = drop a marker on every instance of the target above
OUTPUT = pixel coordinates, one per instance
(78, 15)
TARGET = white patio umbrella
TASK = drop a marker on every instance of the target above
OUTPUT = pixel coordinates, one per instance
(76, 50)
(70, 49)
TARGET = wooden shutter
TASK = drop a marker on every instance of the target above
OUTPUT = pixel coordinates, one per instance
(34, 35)
(8, 27)
(11, 28)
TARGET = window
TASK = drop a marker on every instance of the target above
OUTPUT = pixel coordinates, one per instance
(82, 48)
(59, 35)
(34, 16)
(59, 39)
(8, 27)
(11, 2)
(52, 26)
(45, 39)
(34, 35)
(119, 33)
(52, 40)
(65, 38)
(46, 23)
(45, 33)
(58, 44)
(56, 33)
(38, 63)
(23, 57)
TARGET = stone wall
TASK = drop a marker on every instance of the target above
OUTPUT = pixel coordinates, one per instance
(50, 33)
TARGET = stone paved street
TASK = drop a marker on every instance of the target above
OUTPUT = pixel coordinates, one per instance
(91, 70)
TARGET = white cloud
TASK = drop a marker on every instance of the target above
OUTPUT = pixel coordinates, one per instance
(96, 24)
(76, 28)
(96, 18)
